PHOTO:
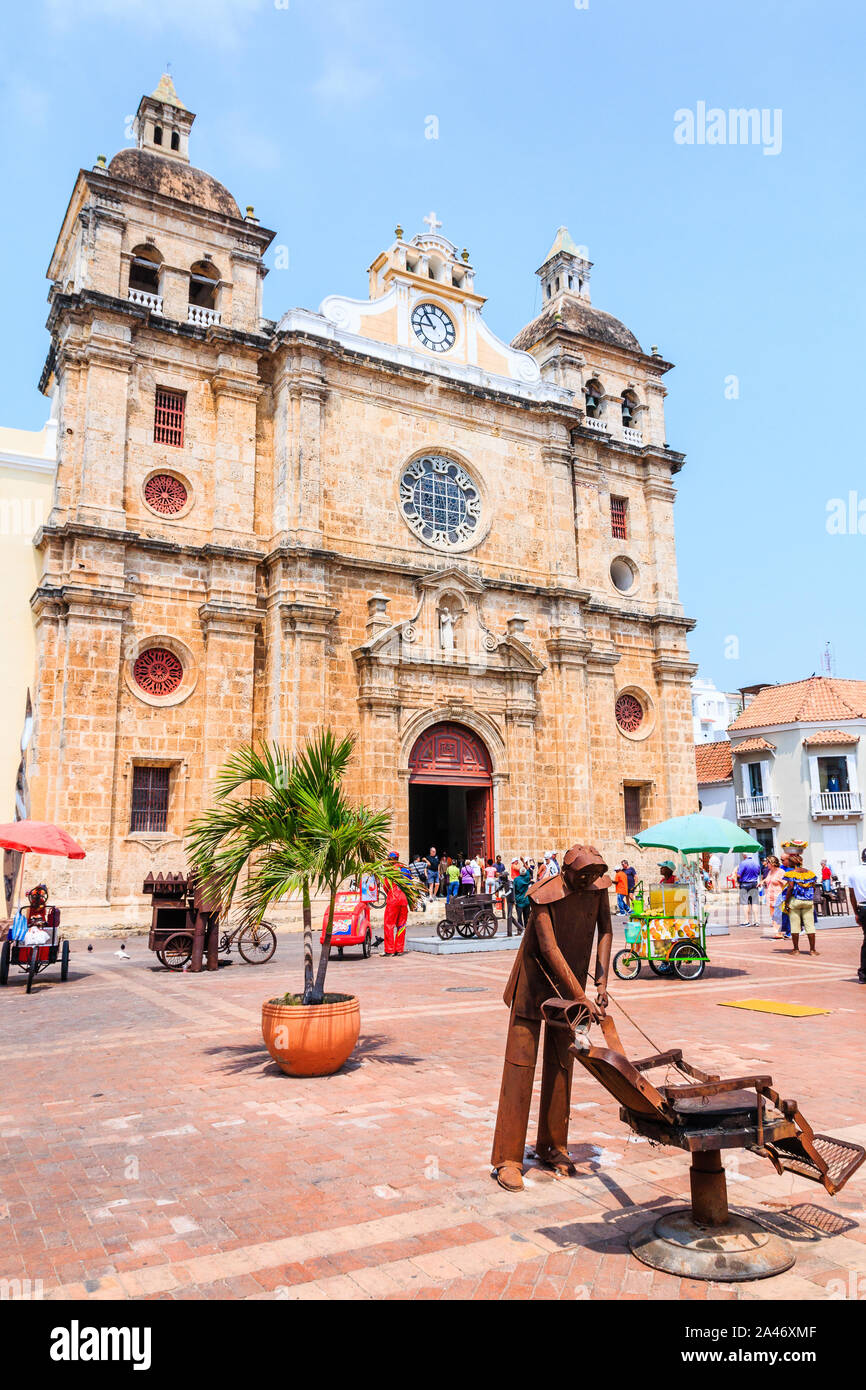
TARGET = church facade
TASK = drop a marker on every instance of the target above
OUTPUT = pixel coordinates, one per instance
(377, 516)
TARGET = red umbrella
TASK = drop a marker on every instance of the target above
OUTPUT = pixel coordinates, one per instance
(36, 837)
(39, 837)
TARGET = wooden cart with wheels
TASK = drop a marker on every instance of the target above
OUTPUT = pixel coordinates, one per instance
(179, 918)
(471, 914)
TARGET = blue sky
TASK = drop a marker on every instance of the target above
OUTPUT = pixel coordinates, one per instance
(735, 262)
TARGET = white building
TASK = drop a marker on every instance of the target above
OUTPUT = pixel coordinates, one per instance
(712, 711)
(796, 768)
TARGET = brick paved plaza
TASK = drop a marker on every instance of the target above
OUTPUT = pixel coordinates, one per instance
(150, 1149)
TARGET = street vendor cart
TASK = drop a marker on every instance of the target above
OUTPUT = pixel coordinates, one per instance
(667, 925)
(663, 930)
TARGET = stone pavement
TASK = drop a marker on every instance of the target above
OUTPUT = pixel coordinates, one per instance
(150, 1149)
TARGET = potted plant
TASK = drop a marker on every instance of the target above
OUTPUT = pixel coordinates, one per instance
(287, 824)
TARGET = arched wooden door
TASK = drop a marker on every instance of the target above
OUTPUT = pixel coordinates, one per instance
(451, 755)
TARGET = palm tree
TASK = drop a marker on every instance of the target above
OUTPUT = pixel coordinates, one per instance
(298, 834)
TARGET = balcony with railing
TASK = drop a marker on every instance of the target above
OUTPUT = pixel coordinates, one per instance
(837, 804)
(758, 807)
(632, 436)
(146, 300)
(202, 317)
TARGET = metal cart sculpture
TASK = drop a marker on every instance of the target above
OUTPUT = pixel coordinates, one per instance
(664, 932)
(705, 1114)
(185, 928)
(471, 914)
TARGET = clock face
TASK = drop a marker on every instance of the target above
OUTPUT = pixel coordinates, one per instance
(441, 503)
(433, 327)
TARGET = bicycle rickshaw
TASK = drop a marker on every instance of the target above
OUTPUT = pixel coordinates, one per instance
(33, 959)
(36, 837)
(469, 914)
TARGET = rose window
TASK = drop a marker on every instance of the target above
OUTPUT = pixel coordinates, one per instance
(629, 713)
(165, 494)
(157, 671)
(440, 501)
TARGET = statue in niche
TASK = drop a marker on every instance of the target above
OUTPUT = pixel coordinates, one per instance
(447, 622)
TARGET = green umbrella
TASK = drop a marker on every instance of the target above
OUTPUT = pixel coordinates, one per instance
(697, 834)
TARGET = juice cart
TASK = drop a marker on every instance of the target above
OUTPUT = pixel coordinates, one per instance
(664, 930)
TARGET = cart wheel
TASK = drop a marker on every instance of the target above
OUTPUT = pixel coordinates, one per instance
(688, 961)
(33, 967)
(367, 947)
(466, 929)
(486, 928)
(626, 964)
(160, 957)
(177, 951)
(257, 943)
(661, 967)
(64, 961)
(445, 929)
(4, 962)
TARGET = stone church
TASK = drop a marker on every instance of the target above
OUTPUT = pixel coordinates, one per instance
(378, 515)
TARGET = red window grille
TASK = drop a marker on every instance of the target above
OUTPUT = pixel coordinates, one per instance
(619, 518)
(629, 713)
(150, 799)
(157, 671)
(632, 803)
(165, 494)
(168, 416)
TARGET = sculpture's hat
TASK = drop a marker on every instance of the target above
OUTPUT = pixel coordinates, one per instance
(581, 859)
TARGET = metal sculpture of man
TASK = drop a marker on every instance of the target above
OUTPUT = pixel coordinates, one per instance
(553, 959)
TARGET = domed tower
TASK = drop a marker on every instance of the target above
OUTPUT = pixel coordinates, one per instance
(622, 475)
(148, 585)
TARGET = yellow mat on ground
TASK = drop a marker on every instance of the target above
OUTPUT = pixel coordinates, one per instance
(772, 1006)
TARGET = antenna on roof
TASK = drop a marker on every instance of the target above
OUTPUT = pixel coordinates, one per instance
(828, 661)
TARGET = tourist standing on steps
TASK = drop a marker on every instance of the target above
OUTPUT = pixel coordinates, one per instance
(453, 878)
(444, 862)
(467, 877)
(432, 872)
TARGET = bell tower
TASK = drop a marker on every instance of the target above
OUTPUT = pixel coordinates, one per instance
(162, 122)
(565, 269)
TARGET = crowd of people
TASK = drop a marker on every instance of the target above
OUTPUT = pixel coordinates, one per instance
(446, 876)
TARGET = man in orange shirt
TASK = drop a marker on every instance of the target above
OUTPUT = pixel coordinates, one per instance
(620, 883)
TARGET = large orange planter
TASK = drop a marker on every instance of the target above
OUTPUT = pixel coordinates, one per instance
(312, 1039)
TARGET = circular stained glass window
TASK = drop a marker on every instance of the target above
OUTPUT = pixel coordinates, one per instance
(165, 494)
(157, 671)
(440, 501)
(629, 713)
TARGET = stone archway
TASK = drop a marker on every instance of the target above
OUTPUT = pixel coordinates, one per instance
(450, 792)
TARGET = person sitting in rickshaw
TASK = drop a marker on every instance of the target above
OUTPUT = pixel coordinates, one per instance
(37, 917)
